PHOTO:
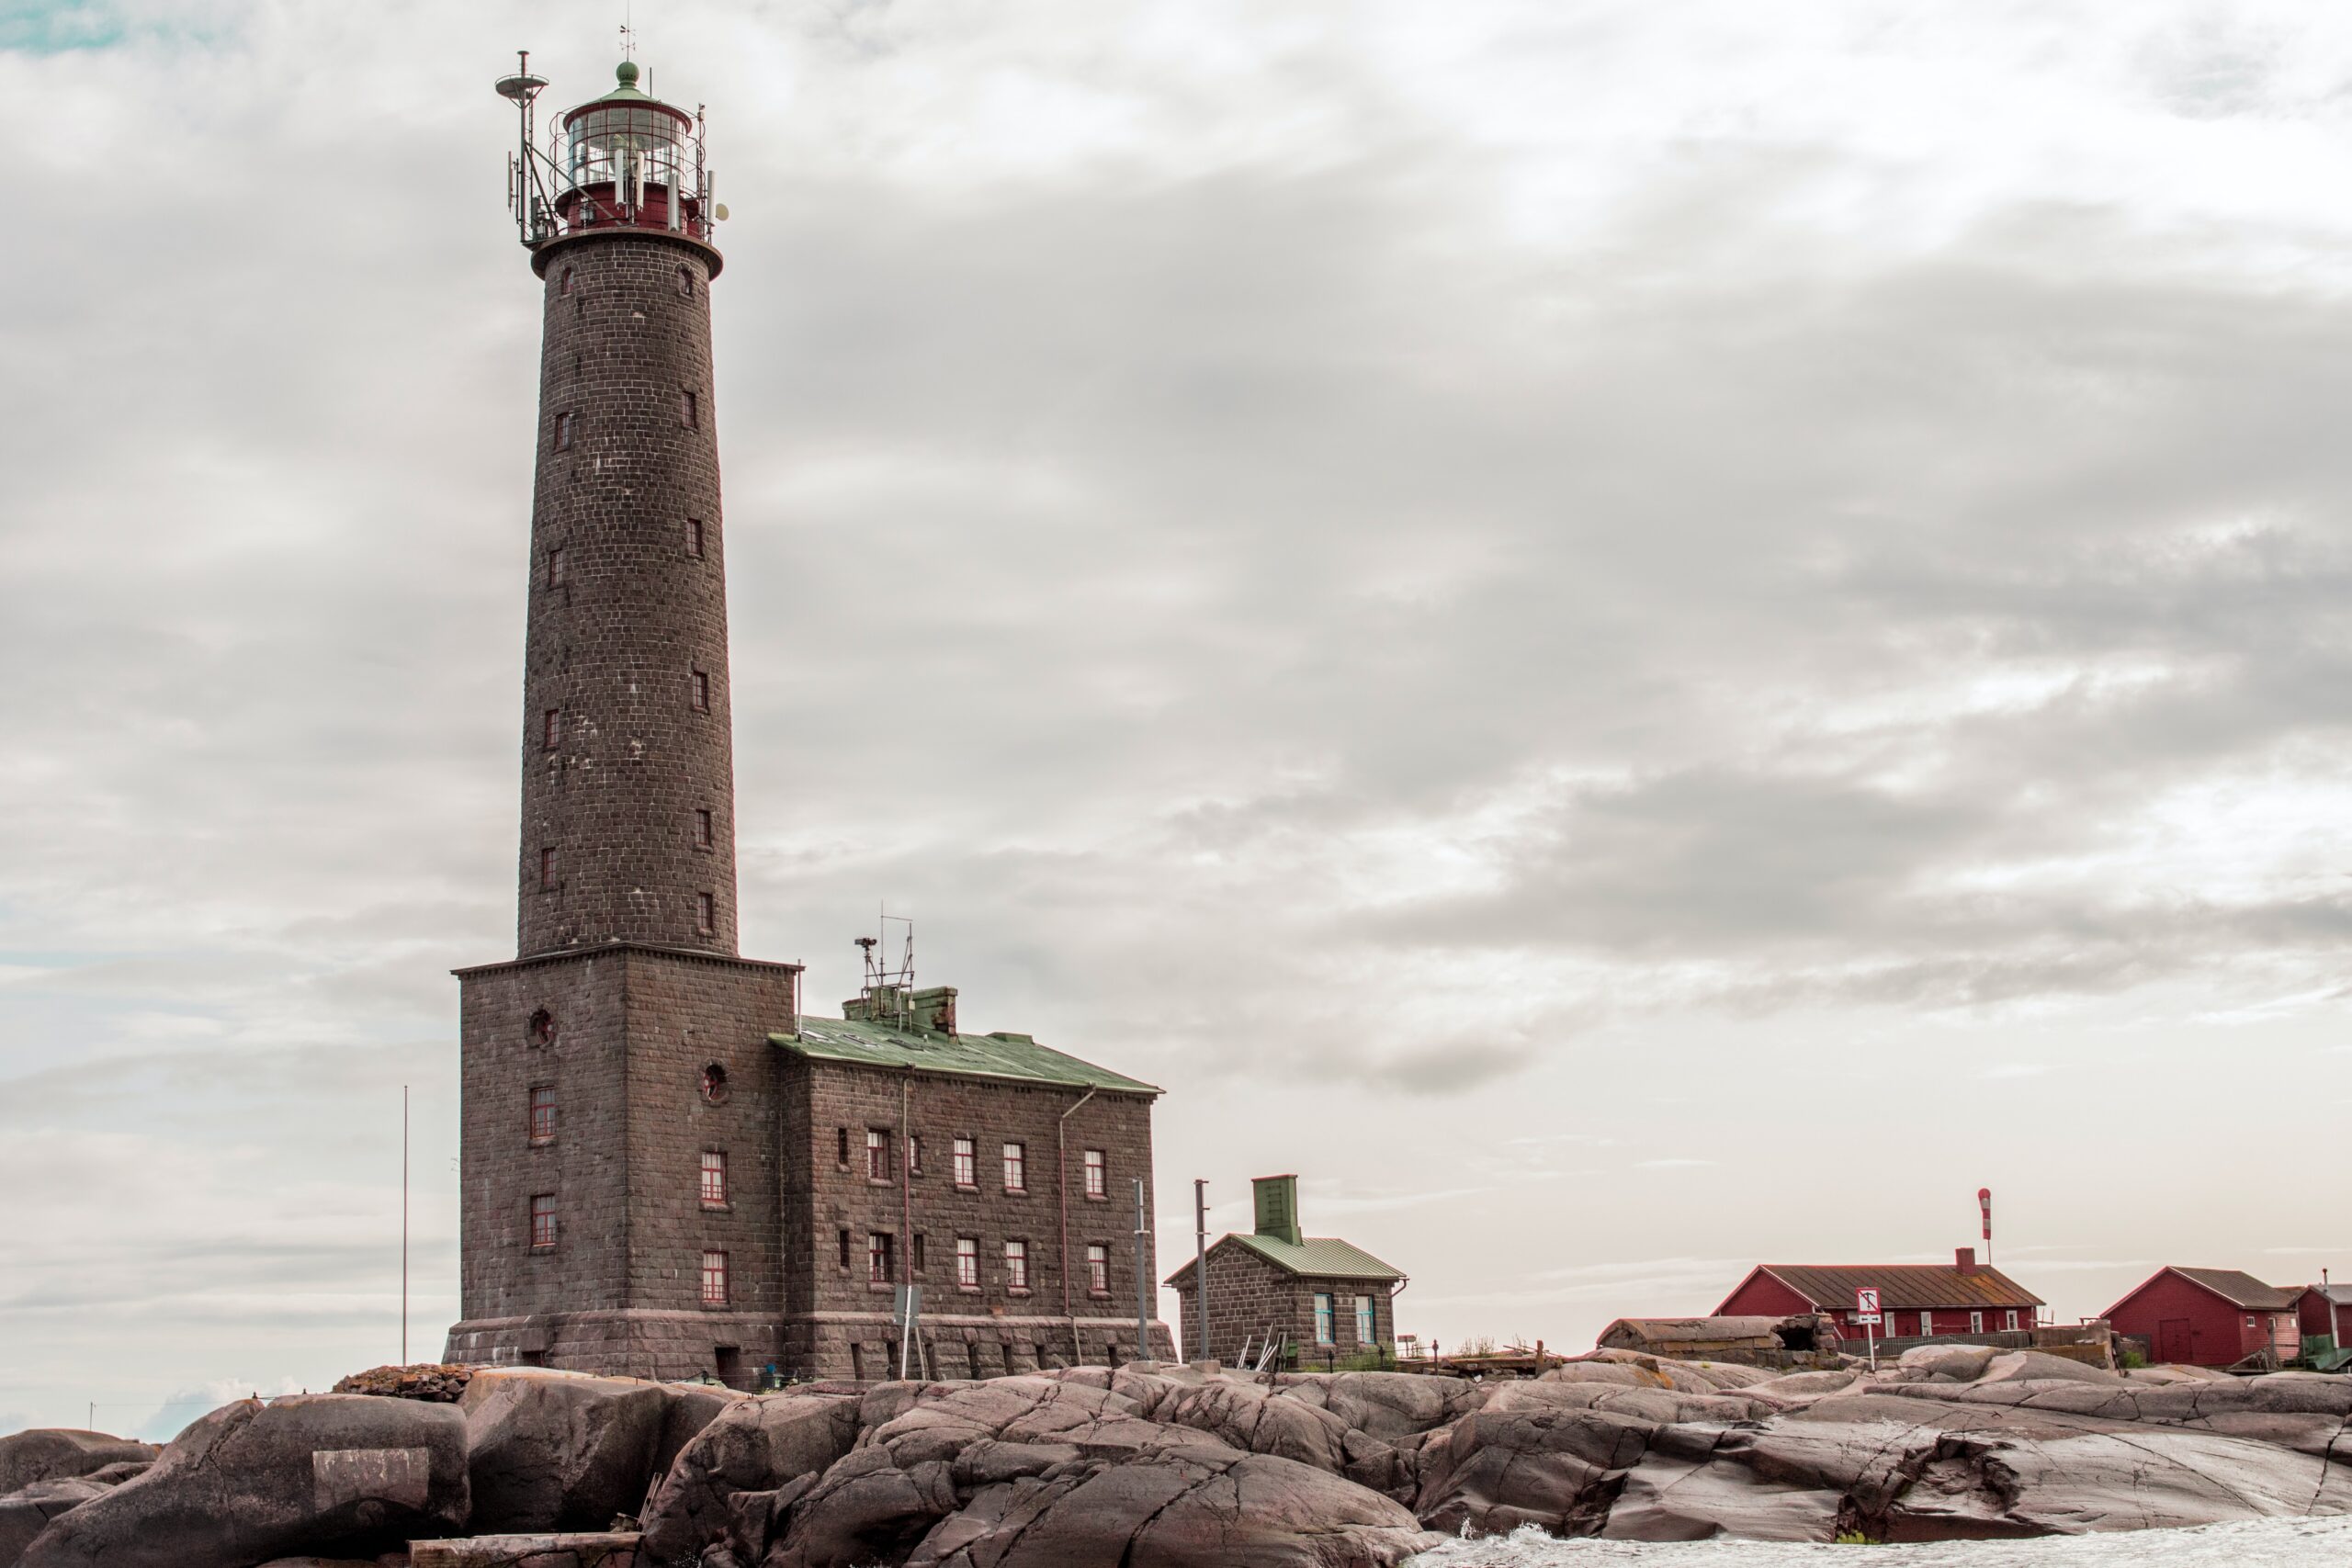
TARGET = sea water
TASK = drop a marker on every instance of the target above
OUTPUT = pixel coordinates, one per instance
(2268, 1543)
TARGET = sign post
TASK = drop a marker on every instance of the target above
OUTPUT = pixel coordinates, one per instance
(1866, 1313)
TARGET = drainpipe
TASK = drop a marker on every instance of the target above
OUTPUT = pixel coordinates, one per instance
(906, 1216)
(1061, 1196)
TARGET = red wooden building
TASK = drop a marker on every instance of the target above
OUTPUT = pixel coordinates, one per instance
(2210, 1317)
(2312, 1314)
(1918, 1299)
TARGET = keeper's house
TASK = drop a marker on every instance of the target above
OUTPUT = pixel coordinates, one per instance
(1918, 1299)
(1324, 1300)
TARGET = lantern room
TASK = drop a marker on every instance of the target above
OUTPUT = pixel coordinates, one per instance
(626, 161)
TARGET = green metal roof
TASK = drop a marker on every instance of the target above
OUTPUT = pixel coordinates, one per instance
(1320, 1257)
(1014, 1057)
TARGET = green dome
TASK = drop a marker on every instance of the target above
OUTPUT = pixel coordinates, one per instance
(627, 73)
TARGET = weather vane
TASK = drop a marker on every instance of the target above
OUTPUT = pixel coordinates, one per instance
(628, 38)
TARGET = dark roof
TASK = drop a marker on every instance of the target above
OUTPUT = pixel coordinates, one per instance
(1012, 1058)
(1901, 1286)
(2340, 1294)
(1703, 1330)
(1319, 1257)
(2241, 1290)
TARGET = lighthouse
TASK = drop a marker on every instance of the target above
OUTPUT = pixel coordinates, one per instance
(619, 1210)
(668, 1169)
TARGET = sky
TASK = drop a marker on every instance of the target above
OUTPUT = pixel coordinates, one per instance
(1639, 637)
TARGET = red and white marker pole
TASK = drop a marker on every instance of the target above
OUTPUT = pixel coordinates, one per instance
(1984, 1206)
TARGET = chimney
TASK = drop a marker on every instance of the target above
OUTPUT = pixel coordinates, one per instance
(1277, 1202)
(1964, 1259)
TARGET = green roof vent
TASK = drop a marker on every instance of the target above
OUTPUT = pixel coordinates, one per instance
(1277, 1202)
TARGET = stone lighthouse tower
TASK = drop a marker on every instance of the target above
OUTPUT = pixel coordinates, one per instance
(617, 1129)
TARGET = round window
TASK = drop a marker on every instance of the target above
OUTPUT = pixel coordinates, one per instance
(542, 1027)
(714, 1083)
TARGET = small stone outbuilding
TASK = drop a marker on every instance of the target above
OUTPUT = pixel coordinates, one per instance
(1323, 1300)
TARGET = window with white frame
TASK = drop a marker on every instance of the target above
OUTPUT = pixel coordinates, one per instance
(1098, 1175)
(1016, 1265)
(877, 1155)
(714, 1279)
(968, 1263)
(1016, 1167)
(1322, 1318)
(1365, 1334)
(714, 1179)
(1098, 1269)
(968, 1164)
(880, 1258)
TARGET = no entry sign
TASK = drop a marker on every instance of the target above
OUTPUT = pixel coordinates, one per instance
(1866, 1304)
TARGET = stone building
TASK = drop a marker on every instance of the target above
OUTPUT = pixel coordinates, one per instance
(1323, 1299)
(667, 1167)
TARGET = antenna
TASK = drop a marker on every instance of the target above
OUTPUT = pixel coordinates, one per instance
(889, 986)
(526, 196)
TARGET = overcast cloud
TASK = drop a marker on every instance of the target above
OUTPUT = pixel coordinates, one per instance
(1639, 636)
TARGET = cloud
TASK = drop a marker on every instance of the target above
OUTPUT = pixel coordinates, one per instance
(1431, 583)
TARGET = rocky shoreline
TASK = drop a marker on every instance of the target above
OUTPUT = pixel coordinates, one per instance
(1154, 1466)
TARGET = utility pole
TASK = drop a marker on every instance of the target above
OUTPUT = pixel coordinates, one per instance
(403, 1224)
(1200, 1262)
(1143, 1281)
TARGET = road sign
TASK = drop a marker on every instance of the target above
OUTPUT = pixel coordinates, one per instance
(1866, 1304)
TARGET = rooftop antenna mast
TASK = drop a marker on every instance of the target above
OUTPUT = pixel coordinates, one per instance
(888, 985)
(527, 195)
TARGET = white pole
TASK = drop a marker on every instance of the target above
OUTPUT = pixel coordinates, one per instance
(403, 1224)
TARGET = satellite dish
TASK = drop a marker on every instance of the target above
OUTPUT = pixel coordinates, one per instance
(719, 212)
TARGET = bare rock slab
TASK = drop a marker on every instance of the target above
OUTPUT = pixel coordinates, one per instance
(563, 1452)
(578, 1549)
(323, 1473)
(58, 1453)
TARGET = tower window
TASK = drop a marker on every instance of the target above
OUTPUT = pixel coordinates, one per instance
(542, 1221)
(840, 1140)
(555, 567)
(686, 283)
(547, 870)
(714, 1179)
(689, 409)
(563, 432)
(705, 913)
(543, 1113)
(693, 538)
(1098, 1269)
(551, 729)
(714, 1279)
(542, 1027)
(702, 827)
(564, 286)
(702, 691)
(713, 1082)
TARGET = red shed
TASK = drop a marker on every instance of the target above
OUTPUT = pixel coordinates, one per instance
(2312, 1316)
(1922, 1298)
(2210, 1317)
